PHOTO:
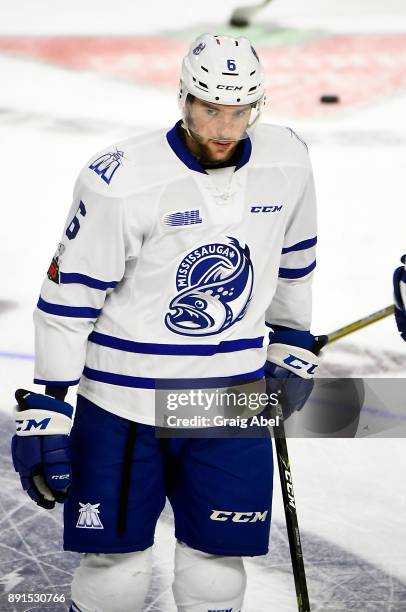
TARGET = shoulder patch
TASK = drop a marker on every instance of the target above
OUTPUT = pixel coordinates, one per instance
(107, 164)
(293, 133)
(53, 270)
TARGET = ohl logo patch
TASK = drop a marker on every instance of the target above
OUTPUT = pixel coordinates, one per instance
(214, 284)
(186, 217)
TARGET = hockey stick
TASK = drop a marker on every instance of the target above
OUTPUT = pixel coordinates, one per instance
(285, 474)
(356, 325)
(241, 17)
(289, 504)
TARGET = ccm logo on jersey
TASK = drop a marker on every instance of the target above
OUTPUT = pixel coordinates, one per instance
(266, 209)
(238, 517)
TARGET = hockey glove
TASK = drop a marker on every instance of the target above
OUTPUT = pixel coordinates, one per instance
(399, 286)
(40, 448)
(292, 360)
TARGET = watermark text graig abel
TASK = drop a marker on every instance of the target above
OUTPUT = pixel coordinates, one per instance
(219, 408)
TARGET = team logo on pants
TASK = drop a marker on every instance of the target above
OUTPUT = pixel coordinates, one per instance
(89, 517)
(214, 284)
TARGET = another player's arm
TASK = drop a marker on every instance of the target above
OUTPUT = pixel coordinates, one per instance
(292, 352)
(399, 286)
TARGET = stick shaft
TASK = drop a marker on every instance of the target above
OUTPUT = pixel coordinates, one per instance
(356, 325)
(292, 525)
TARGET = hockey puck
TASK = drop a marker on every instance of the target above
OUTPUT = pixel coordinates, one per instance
(329, 99)
(239, 23)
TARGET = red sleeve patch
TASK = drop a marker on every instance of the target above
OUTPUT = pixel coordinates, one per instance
(53, 270)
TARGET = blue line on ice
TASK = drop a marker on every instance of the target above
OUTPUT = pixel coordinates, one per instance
(11, 355)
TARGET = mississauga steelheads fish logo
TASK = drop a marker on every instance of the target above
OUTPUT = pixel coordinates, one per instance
(214, 284)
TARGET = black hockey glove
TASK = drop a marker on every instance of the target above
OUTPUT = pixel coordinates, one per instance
(290, 367)
(40, 448)
(399, 280)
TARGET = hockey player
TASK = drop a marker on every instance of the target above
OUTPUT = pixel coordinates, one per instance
(182, 251)
(399, 285)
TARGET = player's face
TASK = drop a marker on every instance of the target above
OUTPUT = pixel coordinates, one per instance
(217, 128)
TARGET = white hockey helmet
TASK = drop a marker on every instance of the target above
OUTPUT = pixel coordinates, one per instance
(223, 70)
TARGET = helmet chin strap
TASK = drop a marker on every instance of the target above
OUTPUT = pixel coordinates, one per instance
(194, 137)
(188, 131)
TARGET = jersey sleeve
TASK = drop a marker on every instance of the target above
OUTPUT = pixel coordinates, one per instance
(291, 305)
(88, 264)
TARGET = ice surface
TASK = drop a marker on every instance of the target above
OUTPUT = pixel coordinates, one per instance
(350, 536)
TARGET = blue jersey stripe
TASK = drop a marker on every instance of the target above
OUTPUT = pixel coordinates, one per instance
(84, 312)
(82, 279)
(123, 380)
(151, 348)
(56, 383)
(300, 246)
(296, 272)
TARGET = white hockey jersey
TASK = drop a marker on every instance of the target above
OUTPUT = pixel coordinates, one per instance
(163, 272)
